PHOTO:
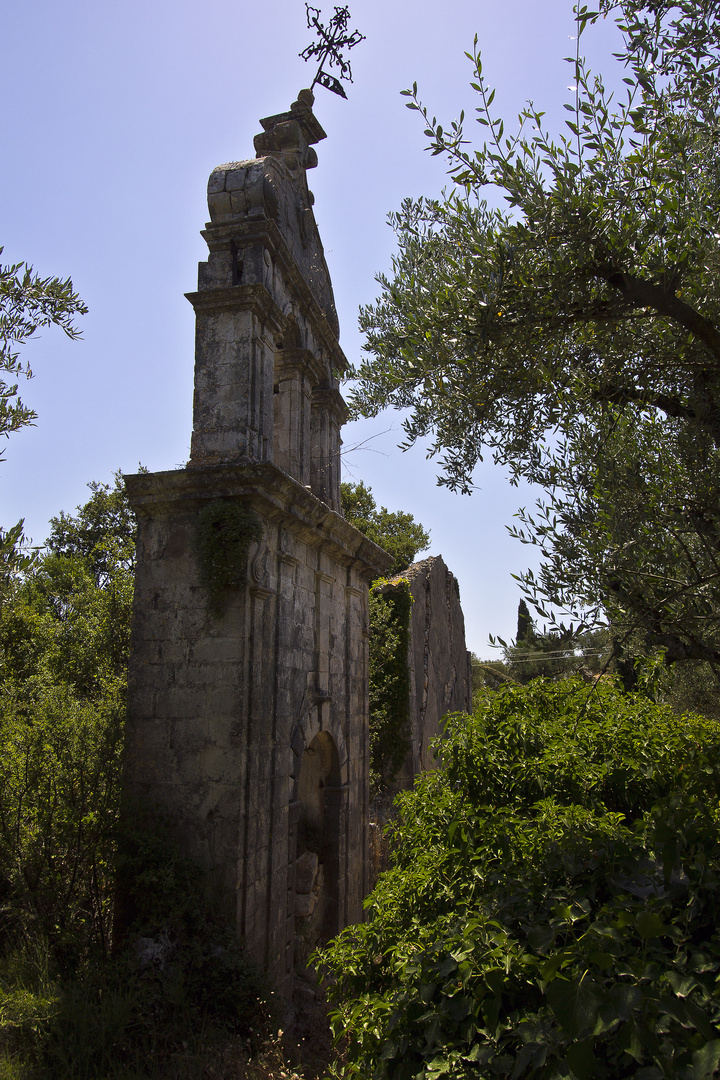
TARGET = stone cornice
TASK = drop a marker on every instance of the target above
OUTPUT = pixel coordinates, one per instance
(272, 493)
(231, 297)
(302, 361)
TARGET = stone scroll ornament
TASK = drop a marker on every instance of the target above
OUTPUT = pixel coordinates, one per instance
(333, 39)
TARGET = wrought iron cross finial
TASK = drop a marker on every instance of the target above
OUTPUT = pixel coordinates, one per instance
(333, 38)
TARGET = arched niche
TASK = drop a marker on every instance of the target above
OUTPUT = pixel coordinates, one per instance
(319, 795)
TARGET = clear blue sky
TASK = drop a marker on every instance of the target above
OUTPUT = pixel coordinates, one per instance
(113, 116)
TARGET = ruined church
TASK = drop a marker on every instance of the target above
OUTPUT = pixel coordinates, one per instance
(247, 727)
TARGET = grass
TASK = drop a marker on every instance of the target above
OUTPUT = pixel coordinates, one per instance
(117, 1021)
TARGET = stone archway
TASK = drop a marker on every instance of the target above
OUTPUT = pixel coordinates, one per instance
(317, 868)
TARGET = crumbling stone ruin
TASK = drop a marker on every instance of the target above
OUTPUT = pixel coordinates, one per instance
(439, 681)
(248, 700)
(439, 662)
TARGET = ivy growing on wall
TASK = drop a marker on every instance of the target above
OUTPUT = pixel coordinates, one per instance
(224, 532)
(389, 679)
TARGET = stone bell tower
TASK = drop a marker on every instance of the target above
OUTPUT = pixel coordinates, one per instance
(247, 731)
(265, 293)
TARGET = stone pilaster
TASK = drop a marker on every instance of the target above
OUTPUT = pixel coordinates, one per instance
(328, 413)
(234, 364)
(295, 374)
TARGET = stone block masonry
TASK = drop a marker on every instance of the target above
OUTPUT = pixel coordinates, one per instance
(248, 725)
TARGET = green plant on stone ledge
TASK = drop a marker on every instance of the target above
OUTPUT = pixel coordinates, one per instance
(389, 679)
(224, 532)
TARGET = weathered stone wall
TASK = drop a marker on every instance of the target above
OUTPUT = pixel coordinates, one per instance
(440, 670)
(247, 728)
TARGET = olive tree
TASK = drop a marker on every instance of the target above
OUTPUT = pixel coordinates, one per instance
(575, 334)
(27, 302)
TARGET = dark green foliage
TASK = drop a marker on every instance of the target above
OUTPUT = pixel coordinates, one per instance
(102, 532)
(402, 537)
(64, 632)
(489, 674)
(62, 627)
(692, 686)
(59, 768)
(66, 619)
(390, 606)
(555, 653)
(553, 906)
(64, 639)
(167, 1007)
(179, 988)
(525, 625)
(395, 531)
(224, 532)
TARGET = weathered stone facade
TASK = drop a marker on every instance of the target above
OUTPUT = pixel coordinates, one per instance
(439, 662)
(248, 729)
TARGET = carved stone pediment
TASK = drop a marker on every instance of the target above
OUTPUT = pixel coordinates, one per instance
(273, 187)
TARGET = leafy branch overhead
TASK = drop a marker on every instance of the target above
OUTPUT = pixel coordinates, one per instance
(575, 335)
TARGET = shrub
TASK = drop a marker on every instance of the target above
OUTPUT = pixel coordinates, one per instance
(553, 903)
(59, 801)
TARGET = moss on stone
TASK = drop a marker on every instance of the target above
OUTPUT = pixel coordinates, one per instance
(224, 532)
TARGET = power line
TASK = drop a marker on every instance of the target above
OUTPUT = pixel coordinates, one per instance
(557, 654)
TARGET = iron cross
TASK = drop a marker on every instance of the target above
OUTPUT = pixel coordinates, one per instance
(333, 38)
